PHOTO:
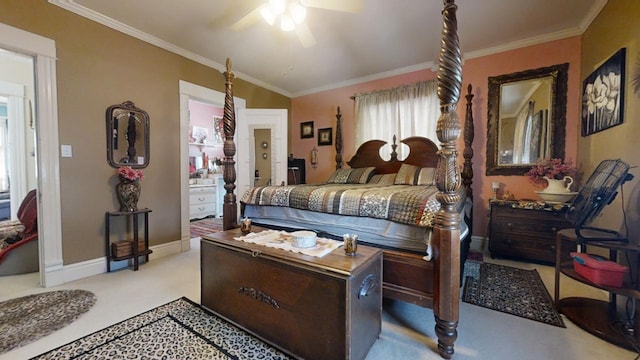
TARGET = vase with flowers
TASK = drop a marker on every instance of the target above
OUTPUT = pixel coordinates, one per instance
(557, 175)
(128, 189)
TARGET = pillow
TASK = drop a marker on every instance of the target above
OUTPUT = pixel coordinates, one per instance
(360, 175)
(427, 176)
(383, 179)
(340, 176)
(407, 175)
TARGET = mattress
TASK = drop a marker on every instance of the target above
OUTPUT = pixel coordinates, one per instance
(378, 232)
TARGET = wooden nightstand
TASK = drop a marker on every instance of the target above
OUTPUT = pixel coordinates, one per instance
(526, 230)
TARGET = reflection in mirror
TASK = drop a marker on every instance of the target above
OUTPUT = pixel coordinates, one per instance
(127, 136)
(526, 115)
(523, 126)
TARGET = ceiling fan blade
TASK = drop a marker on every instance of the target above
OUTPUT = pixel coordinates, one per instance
(352, 6)
(247, 20)
(304, 35)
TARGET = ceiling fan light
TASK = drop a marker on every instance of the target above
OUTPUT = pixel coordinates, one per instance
(268, 15)
(277, 6)
(286, 23)
(297, 12)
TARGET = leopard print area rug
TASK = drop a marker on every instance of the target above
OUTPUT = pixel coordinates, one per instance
(180, 329)
(28, 318)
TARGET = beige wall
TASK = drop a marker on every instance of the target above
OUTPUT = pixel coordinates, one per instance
(616, 27)
(98, 67)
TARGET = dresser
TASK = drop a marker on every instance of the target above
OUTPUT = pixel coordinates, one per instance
(203, 201)
(527, 230)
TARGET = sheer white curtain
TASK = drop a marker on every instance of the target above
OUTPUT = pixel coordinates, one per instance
(522, 136)
(409, 110)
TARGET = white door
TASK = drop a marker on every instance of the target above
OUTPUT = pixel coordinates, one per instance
(248, 120)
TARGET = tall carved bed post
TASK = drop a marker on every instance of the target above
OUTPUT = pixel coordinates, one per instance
(467, 153)
(338, 139)
(230, 207)
(447, 222)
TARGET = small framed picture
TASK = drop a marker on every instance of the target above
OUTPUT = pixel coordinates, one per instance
(325, 136)
(306, 130)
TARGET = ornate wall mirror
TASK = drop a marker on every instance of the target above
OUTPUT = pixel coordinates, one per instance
(127, 136)
(526, 119)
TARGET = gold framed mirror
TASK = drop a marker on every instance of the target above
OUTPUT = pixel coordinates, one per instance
(526, 119)
(127, 136)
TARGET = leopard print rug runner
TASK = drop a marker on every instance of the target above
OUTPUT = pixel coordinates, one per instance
(180, 329)
(28, 318)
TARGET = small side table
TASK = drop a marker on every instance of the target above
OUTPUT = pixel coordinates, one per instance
(593, 315)
(135, 252)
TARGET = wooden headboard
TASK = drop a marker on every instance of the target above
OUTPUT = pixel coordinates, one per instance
(422, 152)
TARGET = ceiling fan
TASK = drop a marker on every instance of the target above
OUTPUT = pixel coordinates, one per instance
(289, 15)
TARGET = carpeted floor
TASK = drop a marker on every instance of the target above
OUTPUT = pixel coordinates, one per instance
(28, 318)
(180, 329)
(198, 228)
(513, 291)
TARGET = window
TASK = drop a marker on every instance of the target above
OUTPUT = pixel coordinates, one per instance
(409, 110)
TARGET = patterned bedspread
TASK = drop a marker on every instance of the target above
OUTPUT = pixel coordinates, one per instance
(407, 204)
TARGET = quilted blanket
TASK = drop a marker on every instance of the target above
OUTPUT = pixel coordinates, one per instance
(407, 204)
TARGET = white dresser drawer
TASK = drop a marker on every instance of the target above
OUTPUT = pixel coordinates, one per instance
(202, 201)
(201, 195)
(202, 210)
(202, 198)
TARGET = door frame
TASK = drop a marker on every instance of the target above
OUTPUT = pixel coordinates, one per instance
(206, 95)
(252, 119)
(43, 50)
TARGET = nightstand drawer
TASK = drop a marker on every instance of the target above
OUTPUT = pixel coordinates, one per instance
(530, 226)
(526, 233)
(526, 247)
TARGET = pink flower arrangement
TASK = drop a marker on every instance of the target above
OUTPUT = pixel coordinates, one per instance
(552, 169)
(127, 173)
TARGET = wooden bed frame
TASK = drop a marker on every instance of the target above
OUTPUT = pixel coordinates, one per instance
(407, 276)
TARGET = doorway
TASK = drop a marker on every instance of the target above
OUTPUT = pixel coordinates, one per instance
(192, 92)
(42, 52)
(17, 129)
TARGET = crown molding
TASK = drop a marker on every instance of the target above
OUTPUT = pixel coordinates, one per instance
(401, 71)
(78, 9)
(72, 6)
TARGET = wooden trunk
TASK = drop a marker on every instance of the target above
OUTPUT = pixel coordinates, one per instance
(312, 308)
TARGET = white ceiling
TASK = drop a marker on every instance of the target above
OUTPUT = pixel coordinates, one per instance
(388, 37)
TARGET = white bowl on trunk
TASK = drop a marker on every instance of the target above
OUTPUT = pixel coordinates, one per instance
(303, 239)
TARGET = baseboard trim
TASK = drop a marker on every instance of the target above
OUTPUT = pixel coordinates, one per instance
(62, 274)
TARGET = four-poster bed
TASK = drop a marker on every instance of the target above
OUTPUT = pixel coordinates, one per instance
(407, 276)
